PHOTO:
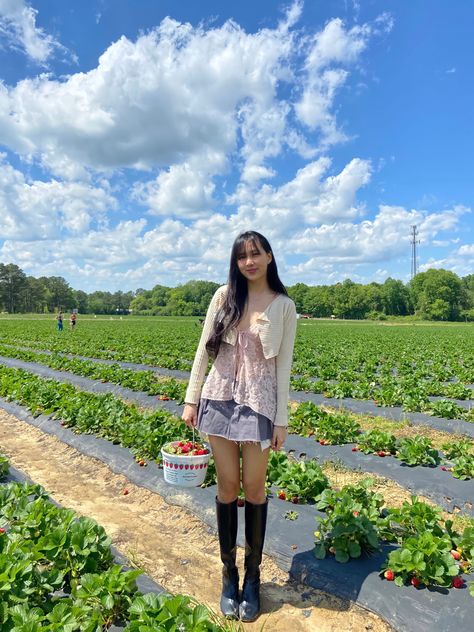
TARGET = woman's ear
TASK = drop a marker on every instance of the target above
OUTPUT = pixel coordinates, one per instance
(269, 257)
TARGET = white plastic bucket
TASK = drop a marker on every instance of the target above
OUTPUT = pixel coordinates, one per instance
(183, 470)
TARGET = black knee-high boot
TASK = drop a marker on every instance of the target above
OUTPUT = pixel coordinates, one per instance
(227, 528)
(255, 525)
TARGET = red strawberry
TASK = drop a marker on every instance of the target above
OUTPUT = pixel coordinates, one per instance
(456, 554)
(184, 450)
(355, 449)
(295, 500)
(282, 495)
(381, 453)
(2, 531)
(415, 582)
(458, 582)
(141, 463)
(389, 575)
(443, 468)
(125, 492)
(355, 513)
(240, 502)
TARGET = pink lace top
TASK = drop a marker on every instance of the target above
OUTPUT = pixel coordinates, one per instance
(242, 373)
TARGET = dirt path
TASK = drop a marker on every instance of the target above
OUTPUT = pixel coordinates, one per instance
(176, 549)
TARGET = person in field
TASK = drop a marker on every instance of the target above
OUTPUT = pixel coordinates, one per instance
(59, 319)
(249, 333)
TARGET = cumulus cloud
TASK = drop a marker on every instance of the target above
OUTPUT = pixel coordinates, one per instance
(18, 27)
(181, 191)
(381, 239)
(43, 210)
(180, 94)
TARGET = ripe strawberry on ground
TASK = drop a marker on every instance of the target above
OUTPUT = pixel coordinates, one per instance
(458, 582)
(415, 582)
(381, 453)
(295, 500)
(125, 492)
(389, 575)
(355, 449)
(282, 495)
(141, 463)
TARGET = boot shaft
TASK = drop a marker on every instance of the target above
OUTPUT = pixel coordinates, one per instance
(255, 527)
(227, 523)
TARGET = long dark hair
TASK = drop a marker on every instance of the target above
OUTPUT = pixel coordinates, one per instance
(232, 309)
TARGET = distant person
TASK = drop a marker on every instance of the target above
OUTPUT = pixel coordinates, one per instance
(249, 331)
(59, 318)
(73, 320)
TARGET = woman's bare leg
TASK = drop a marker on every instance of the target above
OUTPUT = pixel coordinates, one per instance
(227, 459)
(254, 472)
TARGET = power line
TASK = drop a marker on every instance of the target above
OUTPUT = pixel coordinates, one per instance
(414, 241)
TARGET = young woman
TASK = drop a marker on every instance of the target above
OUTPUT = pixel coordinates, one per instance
(249, 332)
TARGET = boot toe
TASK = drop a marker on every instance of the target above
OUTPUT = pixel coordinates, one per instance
(230, 608)
(248, 612)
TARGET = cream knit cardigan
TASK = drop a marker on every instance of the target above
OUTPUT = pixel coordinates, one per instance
(276, 328)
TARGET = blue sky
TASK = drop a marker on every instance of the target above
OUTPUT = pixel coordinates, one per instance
(137, 139)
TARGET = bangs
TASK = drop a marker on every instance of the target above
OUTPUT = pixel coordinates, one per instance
(242, 247)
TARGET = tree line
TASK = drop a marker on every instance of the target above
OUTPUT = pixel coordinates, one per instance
(433, 295)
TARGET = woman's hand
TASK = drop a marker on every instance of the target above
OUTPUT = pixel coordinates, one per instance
(279, 437)
(190, 415)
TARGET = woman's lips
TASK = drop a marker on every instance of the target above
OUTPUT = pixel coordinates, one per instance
(252, 270)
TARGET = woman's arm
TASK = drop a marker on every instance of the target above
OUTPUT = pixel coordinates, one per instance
(201, 358)
(283, 364)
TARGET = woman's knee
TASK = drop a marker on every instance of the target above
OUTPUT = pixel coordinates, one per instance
(227, 491)
(255, 492)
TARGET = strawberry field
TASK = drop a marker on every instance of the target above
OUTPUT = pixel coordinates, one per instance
(372, 407)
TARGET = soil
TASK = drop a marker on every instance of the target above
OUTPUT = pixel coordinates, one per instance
(173, 547)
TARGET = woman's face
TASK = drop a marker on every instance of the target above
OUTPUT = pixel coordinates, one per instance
(253, 261)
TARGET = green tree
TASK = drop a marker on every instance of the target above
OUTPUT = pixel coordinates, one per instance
(438, 285)
(12, 284)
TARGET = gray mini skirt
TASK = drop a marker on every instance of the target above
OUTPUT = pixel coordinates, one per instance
(236, 422)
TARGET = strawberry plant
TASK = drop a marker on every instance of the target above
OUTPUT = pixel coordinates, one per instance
(417, 451)
(352, 526)
(338, 429)
(301, 481)
(414, 517)
(304, 420)
(463, 467)
(425, 557)
(445, 408)
(457, 448)
(376, 441)
(4, 466)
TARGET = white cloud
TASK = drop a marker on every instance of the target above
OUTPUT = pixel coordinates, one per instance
(308, 199)
(181, 191)
(43, 210)
(18, 26)
(379, 240)
(172, 95)
(467, 249)
(332, 48)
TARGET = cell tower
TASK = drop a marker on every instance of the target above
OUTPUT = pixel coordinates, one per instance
(414, 241)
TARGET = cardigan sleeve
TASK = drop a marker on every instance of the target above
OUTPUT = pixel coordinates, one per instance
(283, 364)
(201, 358)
